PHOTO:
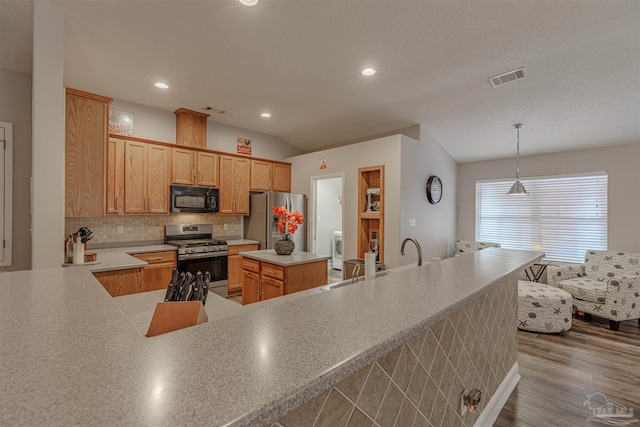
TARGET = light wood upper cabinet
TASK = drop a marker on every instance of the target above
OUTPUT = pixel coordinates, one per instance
(235, 175)
(270, 176)
(191, 167)
(261, 171)
(183, 166)
(86, 127)
(281, 178)
(191, 128)
(157, 179)
(146, 178)
(115, 176)
(207, 171)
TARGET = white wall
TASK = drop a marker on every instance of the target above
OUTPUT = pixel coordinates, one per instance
(329, 212)
(160, 125)
(347, 160)
(48, 137)
(435, 228)
(621, 162)
(15, 107)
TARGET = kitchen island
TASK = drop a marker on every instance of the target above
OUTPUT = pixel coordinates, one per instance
(265, 274)
(70, 356)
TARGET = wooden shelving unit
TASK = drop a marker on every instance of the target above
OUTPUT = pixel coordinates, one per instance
(370, 223)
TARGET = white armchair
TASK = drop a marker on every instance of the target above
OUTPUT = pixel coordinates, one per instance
(466, 246)
(606, 285)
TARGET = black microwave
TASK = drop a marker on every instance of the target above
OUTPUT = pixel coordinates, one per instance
(194, 199)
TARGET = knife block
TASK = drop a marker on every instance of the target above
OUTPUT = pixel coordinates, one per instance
(174, 315)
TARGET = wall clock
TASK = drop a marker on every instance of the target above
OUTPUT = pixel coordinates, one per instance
(434, 189)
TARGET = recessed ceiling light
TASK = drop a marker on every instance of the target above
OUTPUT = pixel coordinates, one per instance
(249, 2)
(368, 71)
(162, 85)
(265, 115)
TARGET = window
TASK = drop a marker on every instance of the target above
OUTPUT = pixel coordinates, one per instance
(566, 214)
(6, 185)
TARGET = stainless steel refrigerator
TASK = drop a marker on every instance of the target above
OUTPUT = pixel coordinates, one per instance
(262, 224)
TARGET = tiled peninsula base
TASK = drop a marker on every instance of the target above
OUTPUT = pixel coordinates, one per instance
(420, 382)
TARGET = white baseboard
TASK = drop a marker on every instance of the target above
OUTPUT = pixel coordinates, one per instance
(490, 413)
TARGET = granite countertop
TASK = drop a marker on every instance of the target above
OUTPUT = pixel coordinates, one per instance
(238, 242)
(296, 257)
(72, 355)
(120, 258)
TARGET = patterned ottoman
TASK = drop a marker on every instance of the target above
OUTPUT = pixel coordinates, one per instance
(543, 308)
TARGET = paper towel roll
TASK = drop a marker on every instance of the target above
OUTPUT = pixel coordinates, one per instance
(369, 265)
(78, 252)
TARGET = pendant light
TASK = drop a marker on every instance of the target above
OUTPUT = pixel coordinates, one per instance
(517, 189)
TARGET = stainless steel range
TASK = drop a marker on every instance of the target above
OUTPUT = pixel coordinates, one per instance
(198, 250)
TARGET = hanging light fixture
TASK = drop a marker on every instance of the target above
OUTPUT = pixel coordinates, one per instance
(517, 189)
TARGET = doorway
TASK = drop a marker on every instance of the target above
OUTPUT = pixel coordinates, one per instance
(327, 218)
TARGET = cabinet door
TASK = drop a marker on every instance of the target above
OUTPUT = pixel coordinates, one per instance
(243, 176)
(157, 179)
(115, 176)
(281, 177)
(227, 185)
(85, 138)
(122, 282)
(235, 265)
(157, 274)
(182, 166)
(135, 183)
(271, 288)
(250, 287)
(207, 169)
(260, 175)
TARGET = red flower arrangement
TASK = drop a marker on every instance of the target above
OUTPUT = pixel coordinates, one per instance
(288, 222)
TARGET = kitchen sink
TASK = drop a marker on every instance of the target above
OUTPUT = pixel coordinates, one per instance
(348, 282)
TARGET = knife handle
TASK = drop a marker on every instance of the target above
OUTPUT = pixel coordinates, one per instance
(205, 287)
(172, 285)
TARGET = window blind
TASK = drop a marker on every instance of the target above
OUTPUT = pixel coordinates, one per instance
(566, 214)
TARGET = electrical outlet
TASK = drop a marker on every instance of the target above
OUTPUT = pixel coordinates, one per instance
(225, 226)
(412, 222)
(120, 229)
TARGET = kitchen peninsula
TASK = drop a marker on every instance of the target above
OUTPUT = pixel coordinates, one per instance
(265, 274)
(69, 355)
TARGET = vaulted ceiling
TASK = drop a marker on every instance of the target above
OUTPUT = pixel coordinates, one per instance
(301, 61)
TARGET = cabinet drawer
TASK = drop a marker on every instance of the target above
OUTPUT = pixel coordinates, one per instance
(234, 250)
(157, 257)
(251, 265)
(272, 270)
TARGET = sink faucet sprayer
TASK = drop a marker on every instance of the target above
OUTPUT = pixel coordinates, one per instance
(355, 273)
(415, 242)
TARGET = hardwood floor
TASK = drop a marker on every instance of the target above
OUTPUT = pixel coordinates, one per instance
(559, 371)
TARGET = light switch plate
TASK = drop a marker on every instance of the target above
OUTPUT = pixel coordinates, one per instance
(119, 229)
(412, 222)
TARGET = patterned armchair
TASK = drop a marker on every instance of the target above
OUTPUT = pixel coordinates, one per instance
(606, 285)
(466, 246)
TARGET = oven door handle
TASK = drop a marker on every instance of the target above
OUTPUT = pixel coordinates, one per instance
(203, 255)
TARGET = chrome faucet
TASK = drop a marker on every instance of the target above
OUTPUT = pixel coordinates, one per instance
(415, 242)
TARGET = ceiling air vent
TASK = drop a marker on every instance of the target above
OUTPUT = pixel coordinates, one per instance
(507, 77)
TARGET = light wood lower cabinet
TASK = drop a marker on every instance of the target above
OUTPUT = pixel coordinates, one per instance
(157, 274)
(234, 267)
(262, 280)
(122, 282)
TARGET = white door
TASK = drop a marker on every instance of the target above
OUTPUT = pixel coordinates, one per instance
(326, 213)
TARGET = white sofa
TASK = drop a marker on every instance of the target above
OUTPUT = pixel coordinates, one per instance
(607, 285)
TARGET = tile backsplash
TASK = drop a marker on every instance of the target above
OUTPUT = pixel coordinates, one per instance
(143, 228)
(420, 382)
